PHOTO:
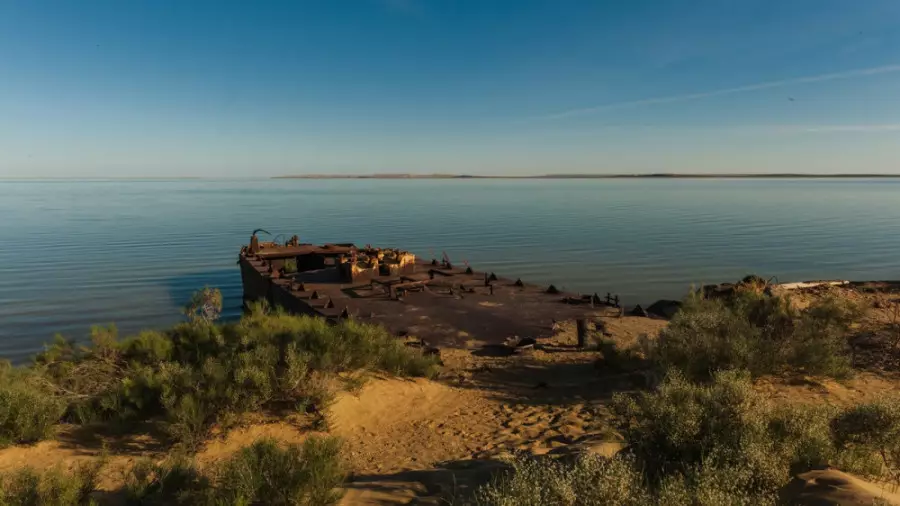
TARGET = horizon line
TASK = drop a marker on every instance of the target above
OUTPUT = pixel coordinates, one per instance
(410, 175)
(576, 175)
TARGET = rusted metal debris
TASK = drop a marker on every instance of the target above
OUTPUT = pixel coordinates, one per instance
(432, 300)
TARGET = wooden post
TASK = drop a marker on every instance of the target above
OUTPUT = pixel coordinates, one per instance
(582, 330)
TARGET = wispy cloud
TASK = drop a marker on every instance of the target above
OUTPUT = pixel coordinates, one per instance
(883, 69)
(767, 130)
(890, 127)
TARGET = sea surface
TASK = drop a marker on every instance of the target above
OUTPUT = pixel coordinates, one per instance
(77, 253)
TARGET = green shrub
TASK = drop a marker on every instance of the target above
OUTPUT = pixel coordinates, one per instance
(27, 487)
(761, 333)
(348, 345)
(683, 425)
(869, 430)
(268, 473)
(201, 373)
(598, 481)
(205, 305)
(683, 428)
(176, 482)
(262, 473)
(591, 480)
(713, 485)
(148, 347)
(28, 411)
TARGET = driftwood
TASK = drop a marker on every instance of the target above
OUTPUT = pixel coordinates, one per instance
(809, 284)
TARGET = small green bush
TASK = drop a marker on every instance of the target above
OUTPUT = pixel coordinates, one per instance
(683, 425)
(27, 487)
(760, 333)
(176, 482)
(268, 473)
(205, 305)
(28, 412)
(265, 472)
(148, 347)
(591, 480)
(347, 346)
(869, 430)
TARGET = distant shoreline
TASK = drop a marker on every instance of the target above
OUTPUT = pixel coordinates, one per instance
(594, 176)
(459, 176)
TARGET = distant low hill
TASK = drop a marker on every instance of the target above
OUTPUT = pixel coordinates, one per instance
(587, 176)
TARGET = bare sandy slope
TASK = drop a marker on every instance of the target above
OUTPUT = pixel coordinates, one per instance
(828, 487)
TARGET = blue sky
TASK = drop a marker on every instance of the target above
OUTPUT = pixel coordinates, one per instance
(234, 88)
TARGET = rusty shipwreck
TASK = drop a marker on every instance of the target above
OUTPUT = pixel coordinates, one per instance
(435, 300)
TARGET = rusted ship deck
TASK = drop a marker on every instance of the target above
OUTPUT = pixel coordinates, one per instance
(440, 302)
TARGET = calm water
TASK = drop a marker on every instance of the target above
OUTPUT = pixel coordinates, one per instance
(80, 253)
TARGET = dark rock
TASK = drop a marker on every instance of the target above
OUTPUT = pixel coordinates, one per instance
(329, 304)
(751, 283)
(492, 277)
(664, 308)
(315, 295)
(639, 311)
(552, 289)
(718, 291)
(519, 282)
(469, 270)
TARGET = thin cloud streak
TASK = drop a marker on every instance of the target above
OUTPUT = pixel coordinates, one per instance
(740, 130)
(884, 69)
(851, 128)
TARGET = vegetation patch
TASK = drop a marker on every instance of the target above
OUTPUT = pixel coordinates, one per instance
(757, 332)
(27, 487)
(716, 443)
(262, 473)
(28, 409)
(590, 480)
(197, 374)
